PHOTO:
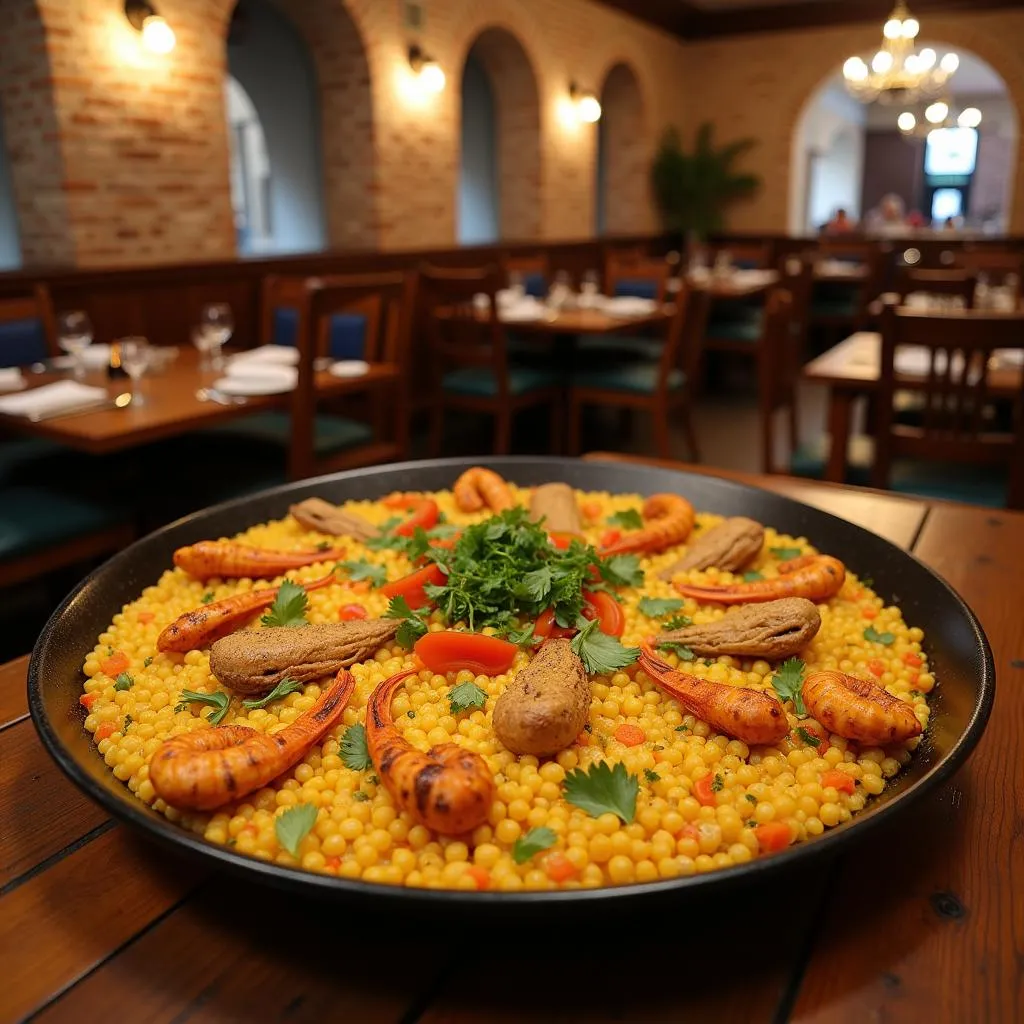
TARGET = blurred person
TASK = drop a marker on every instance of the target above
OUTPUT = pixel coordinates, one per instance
(840, 223)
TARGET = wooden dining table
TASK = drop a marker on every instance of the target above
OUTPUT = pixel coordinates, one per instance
(918, 921)
(851, 370)
(171, 405)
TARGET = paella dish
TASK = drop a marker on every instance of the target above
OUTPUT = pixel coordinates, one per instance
(505, 688)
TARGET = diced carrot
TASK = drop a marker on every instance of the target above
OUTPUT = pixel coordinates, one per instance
(87, 700)
(876, 667)
(838, 780)
(114, 665)
(591, 509)
(105, 731)
(630, 735)
(480, 875)
(333, 862)
(351, 612)
(704, 793)
(913, 678)
(869, 612)
(146, 617)
(690, 831)
(773, 836)
(583, 738)
(558, 867)
(360, 586)
(912, 660)
(610, 537)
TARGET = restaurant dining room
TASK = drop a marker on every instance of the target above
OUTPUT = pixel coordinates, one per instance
(550, 468)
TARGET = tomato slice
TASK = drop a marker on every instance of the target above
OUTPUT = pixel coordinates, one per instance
(562, 540)
(608, 612)
(411, 587)
(610, 537)
(351, 612)
(425, 517)
(545, 626)
(452, 651)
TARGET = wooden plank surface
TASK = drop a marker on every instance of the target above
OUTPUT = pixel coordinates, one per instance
(931, 928)
(13, 694)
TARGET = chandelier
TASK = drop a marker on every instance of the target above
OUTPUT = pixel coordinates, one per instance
(935, 116)
(898, 73)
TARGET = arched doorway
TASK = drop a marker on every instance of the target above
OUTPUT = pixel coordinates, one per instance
(10, 244)
(623, 201)
(499, 57)
(273, 114)
(479, 216)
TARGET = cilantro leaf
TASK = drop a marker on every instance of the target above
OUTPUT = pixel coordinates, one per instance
(786, 554)
(520, 637)
(147, 662)
(533, 842)
(127, 721)
(873, 636)
(651, 776)
(788, 682)
(208, 597)
(808, 738)
(289, 607)
(599, 652)
(628, 519)
(621, 570)
(685, 654)
(124, 681)
(353, 749)
(536, 585)
(282, 689)
(294, 825)
(466, 696)
(750, 577)
(603, 789)
(414, 624)
(655, 607)
(360, 796)
(678, 622)
(751, 797)
(717, 784)
(218, 700)
(362, 570)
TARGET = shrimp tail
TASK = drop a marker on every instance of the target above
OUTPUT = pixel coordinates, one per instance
(858, 709)
(669, 520)
(478, 487)
(815, 577)
(227, 559)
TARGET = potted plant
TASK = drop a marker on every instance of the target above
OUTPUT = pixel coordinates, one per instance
(692, 190)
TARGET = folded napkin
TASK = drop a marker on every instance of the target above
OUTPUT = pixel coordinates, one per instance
(51, 398)
(526, 308)
(95, 357)
(11, 379)
(258, 369)
(628, 305)
(1008, 357)
(267, 355)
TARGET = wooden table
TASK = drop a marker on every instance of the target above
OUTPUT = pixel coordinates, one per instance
(840, 271)
(851, 370)
(171, 406)
(735, 287)
(917, 923)
(589, 321)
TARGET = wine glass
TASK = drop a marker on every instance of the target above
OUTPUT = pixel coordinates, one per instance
(135, 358)
(203, 344)
(219, 324)
(74, 335)
(589, 287)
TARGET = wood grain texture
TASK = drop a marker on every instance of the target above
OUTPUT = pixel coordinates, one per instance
(67, 919)
(32, 783)
(13, 692)
(935, 930)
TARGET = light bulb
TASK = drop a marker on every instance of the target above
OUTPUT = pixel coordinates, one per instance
(157, 35)
(926, 59)
(589, 108)
(970, 117)
(892, 29)
(432, 77)
(936, 113)
(912, 64)
(910, 28)
(906, 121)
(855, 70)
(881, 62)
(949, 63)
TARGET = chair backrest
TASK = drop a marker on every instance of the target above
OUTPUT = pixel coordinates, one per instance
(27, 330)
(996, 264)
(641, 276)
(535, 272)
(857, 251)
(742, 255)
(779, 368)
(947, 284)
(797, 278)
(956, 391)
(685, 334)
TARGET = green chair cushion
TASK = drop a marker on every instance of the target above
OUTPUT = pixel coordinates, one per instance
(32, 518)
(637, 377)
(332, 433)
(20, 455)
(975, 485)
(810, 459)
(480, 381)
(623, 346)
(734, 330)
(838, 307)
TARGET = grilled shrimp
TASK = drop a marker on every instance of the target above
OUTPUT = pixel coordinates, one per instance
(748, 715)
(670, 521)
(816, 577)
(858, 709)
(207, 768)
(202, 626)
(478, 487)
(227, 559)
(448, 789)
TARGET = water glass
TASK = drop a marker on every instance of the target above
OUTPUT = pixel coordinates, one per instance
(203, 343)
(135, 359)
(219, 325)
(589, 287)
(74, 335)
(516, 285)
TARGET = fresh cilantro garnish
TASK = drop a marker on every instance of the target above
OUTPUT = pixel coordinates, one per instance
(786, 554)
(621, 571)
(717, 784)
(536, 585)
(208, 597)
(127, 721)
(362, 570)
(520, 637)
(147, 663)
(628, 519)
(443, 531)
(360, 796)
(750, 797)
(324, 545)
(788, 682)
(603, 789)
(599, 652)
(651, 776)
(678, 622)
(414, 623)
(874, 637)
(353, 749)
(294, 825)
(410, 714)
(124, 681)
(683, 728)
(289, 607)
(750, 577)
(685, 654)
(655, 607)
(413, 547)
(867, 581)
(533, 842)
(751, 823)
(218, 700)
(808, 737)
(282, 689)
(466, 696)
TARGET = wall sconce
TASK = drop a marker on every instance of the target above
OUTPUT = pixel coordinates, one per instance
(157, 35)
(588, 108)
(431, 76)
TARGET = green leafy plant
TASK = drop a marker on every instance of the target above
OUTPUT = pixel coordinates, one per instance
(693, 189)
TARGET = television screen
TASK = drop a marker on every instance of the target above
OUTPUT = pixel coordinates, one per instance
(951, 151)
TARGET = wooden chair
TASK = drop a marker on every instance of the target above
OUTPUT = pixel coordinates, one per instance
(535, 272)
(945, 284)
(659, 386)
(28, 332)
(841, 306)
(1000, 266)
(956, 430)
(470, 359)
(745, 255)
(640, 276)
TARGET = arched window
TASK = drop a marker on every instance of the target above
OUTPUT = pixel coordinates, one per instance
(479, 200)
(10, 245)
(274, 117)
(622, 193)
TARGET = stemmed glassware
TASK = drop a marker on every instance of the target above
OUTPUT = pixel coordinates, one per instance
(74, 335)
(218, 323)
(135, 359)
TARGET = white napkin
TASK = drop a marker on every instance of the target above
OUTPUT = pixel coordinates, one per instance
(349, 368)
(913, 361)
(1008, 357)
(11, 379)
(260, 370)
(629, 305)
(751, 277)
(51, 398)
(95, 357)
(525, 309)
(267, 355)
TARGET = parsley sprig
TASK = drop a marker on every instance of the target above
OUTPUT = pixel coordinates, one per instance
(874, 637)
(363, 570)
(414, 621)
(603, 789)
(218, 700)
(533, 842)
(628, 519)
(466, 696)
(289, 607)
(293, 825)
(788, 681)
(353, 749)
(655, 607)
(599, 652)
(282, 689)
